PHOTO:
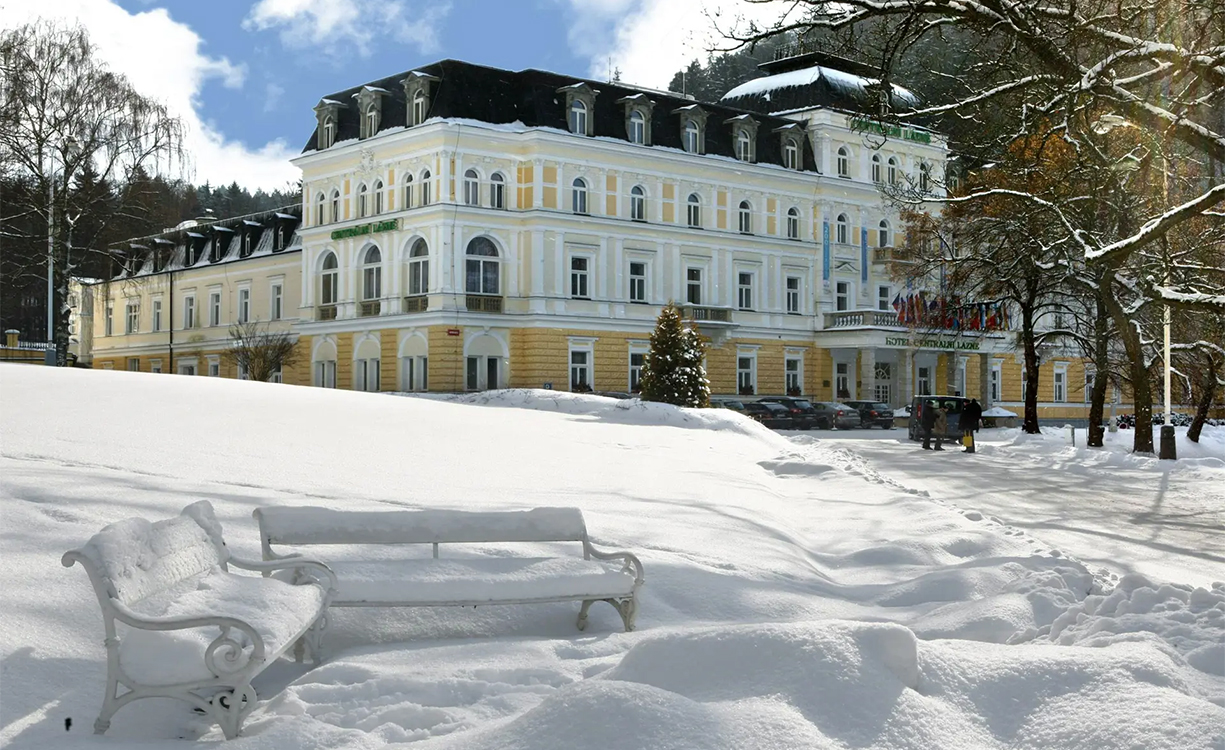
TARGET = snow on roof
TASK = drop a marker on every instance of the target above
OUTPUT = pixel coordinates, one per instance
(280, 215)
(837, 79)
(997, 411)
(250, 223)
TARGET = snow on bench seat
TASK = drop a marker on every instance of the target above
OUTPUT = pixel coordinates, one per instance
(432, 582)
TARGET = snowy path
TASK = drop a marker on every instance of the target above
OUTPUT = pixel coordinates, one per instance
(1107, 509)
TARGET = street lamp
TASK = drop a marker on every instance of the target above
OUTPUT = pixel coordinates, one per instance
(1129, 163)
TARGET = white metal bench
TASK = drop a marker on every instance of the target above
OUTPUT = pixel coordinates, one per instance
(458, 581)
(192, 629)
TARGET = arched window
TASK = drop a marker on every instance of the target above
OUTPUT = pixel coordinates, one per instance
(378, 197)
(419, 268)
(637, 128)
(844, 162)
(746, 218)
(843, 229)
(320, 208)
(695, 210)
(578, 117)
(482, 269)
(335, 206)
(793, 223)
(892, 173)
(361, 202)
(876, 169)
(883, 237)
(329, 280)
(744, 145)
(578, 196)
(372, 274)
(372, 121)
(497, 190)
(638, 203)
(472, 188)
(329, 131)
(924, 177)
(791, 154)
(425, 188)
(692, 134)
(408, 191)
(418, 107)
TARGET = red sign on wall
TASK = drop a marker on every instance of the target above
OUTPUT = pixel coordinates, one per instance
(452, 331)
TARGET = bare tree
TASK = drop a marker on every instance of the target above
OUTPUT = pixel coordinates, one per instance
(260, 352)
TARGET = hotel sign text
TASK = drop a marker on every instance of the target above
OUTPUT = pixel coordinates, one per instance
(382, 226)
(930, 343)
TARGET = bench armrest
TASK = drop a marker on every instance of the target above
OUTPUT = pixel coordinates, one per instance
(288, 562)
(222, 657)
(630, 560)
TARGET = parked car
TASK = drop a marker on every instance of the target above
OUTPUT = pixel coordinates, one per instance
(873, 413)
(954, 405)
(774, 416)
(831, 415)
(801, 410)
(728, 403)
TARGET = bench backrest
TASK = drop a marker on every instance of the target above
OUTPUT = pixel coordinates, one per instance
(133, 558)
(311, 525)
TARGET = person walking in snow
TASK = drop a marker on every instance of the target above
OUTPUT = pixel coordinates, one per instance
(928, 421)
(971, 416)
(941, 427)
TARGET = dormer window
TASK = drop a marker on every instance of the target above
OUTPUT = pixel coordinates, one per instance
(370, 104)
(372, 121)
(844, 162)
(638, 109)
(791, 155)
(580, 108)
(691, 136)
(329, 132)
(418, 87)
(638, 128)
(744, 145)
(578, 117)
(744, 137)
(418, 107)
(327, 117)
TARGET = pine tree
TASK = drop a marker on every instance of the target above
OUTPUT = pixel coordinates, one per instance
(673, 372)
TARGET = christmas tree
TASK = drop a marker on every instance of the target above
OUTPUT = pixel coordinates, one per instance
(673, 372)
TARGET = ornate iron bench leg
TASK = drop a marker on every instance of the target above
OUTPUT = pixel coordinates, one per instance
(582, 613)
(628, 609)
(229, 708)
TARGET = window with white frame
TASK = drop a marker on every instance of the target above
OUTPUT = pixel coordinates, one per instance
(109, 323)
(378, 197)
(692, 136)
(924, 381)
(482, 267)
(638, 203)
(578, 196)
(883, 294)
(876, 169)
(276, 307)
(746, 217)
(996, 379)
(366, 375)
(891, 172)
(842, 229)
(133, 316)
(418, 268)
(579, 268)
(372, 274)
(407, 198)
(744, 145)
(482, 373)
(244, 305)
(842, 295)
(693, 285)
(157, 315)
(959, 377)
(189, 313)
(844, 162)
(793, 223)
(320, 208)
(882, 373)
(277, 376)
(638, 281)
(414, 372)
(472, 188)
(335, 206)
(924, 177)
(497, 190)
(744, 290)
(746, 373)
(155, 365)
(187, 368)
(212, 367)
(243, 373)
(791, 154)
(580, 368)
(793, 295)
(418, 107)
(1089, 377)
(578, 117)
(882, 234)
(842, 380)
(637, 360)
(329, 131)
(325, 373)
(637, 128)
(425, 188)
(361, 201)
(329, 281)
(133, 364)
(794, 372)
(214, 308)
(694, 208)
(1060, 381)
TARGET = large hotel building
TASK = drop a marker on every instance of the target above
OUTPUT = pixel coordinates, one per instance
(465, 227)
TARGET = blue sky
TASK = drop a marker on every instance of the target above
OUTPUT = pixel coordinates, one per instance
(244, 75)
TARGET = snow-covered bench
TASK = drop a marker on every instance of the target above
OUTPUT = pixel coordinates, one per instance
(192, 629)
(458, 581)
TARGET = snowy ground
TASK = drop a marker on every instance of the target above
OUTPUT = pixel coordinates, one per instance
(800, 593)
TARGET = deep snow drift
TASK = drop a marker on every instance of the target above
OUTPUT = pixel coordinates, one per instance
(797, 595)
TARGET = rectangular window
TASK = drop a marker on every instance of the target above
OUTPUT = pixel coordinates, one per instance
(638, 282)
(637, 360)
(1088, 385)
(133, 364)
(278, 302)
(842, 380)
(133, 317)
(214, 368)
(996, 376)
(794, 375)
(882, 298)
(925, 381)
(157, 315)
(189, 312)
(187, 369)
(325, 373)
(110, 319)
(580, 370)
(1061, 385)
(578, 277)
(793, 295)
(243, 372)
(693, 286)
(276, 376)
(744, 291)
(473, 373)
(214, 308)
(842, 296)
(414, 373)
(882, 377)
(746, 375)
(366, 375)
(492, 381)
(244, 305)
(155, 365)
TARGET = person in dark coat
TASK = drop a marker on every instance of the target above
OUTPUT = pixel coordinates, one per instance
(928, 421)
(971, 418)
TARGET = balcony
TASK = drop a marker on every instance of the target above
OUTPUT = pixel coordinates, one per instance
(369, 308)
(325, 312)
(486, 303)
(890, 255)
(707, 314)
(416, 303)
(861, 319)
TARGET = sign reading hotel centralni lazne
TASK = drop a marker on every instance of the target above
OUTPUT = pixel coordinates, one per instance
(860, 124)
(931, 343)
(380, 226)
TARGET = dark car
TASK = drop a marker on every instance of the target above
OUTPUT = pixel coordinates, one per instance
(802, 412)
(728, 403)
(831, 414)
(774, 416)
(954, 405)
(873, 413)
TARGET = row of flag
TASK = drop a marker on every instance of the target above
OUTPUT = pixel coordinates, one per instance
(920, 309)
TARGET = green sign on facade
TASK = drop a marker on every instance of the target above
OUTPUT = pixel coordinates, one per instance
(381, 226)
(862, 125)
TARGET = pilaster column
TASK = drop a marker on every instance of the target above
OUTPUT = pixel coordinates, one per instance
(537, 183)
(867, 374)
(905, 377)
(984, 380)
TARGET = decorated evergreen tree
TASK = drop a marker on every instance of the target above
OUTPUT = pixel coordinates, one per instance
(673, 371)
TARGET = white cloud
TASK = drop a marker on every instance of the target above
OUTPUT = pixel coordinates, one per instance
(336, 26)
(650, 40)
(163, 60)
